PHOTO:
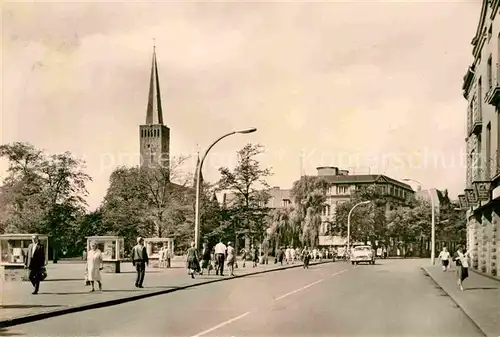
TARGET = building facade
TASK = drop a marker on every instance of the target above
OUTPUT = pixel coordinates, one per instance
(481, 89)
(343, 185)
(154, 136)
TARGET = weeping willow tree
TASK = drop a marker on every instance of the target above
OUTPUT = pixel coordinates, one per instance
(284, 229)
(309, 194)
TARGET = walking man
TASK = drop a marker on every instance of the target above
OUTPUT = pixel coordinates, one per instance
(220, 256)
(140, 260)
(445, 257)
(35, 262)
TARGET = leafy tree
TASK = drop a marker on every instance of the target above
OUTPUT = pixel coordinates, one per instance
(368, 222)
(283, 228)
(452, 225)
(249, 188)
(42, 193)
(309, 194)
(149, 202)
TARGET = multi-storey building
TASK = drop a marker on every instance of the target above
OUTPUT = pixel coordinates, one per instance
(342, 185)
(278, 198)
(481, 88)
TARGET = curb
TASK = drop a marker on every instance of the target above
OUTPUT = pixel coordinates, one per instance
(494, 278)
(454, 301)
(97, 305)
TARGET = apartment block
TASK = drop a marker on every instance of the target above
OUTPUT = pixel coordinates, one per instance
(481, 89)
(342, 185)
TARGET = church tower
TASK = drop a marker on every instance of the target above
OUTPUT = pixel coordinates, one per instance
(154, 136)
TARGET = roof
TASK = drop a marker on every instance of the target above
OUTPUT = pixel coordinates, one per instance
(154, 112)
(365, 179)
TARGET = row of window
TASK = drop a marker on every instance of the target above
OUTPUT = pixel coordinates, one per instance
(384, 189)
(150, 133)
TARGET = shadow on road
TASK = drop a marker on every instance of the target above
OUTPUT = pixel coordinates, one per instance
(64, 279)
(27, 306)
(5, 332)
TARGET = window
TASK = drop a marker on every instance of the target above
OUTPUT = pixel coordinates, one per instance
(488, 151)
(342, 189)
(479, 94)
(490, 32)
(490, 73)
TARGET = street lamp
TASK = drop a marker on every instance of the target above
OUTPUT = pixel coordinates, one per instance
(433, 224)
(198, 177)
(349, 223)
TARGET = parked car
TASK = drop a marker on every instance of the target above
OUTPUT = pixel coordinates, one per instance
(362, 254)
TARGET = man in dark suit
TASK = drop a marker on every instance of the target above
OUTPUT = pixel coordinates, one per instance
(140, 260)
(35, 262)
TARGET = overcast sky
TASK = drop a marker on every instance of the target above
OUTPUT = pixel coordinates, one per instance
(349, 84)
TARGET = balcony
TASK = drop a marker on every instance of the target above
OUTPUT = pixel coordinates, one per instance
(493, 95)
(475, 122)
(495, 167)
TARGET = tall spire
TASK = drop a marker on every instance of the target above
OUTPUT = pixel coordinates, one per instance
(154, 113)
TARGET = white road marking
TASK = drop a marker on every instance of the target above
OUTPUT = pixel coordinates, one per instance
(297, 290)
(221, 325)
(339, 272)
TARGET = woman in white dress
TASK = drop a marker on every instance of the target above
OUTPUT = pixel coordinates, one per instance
(94, 265)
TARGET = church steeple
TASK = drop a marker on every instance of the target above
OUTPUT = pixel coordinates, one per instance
(154, 113)
(154, 136)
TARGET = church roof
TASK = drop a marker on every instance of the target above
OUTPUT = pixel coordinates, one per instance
(154, 112)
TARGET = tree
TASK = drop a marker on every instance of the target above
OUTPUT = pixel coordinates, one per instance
(309, 194)
(42, 193)
(249, 188)
(283, 228)
(149, 202)
(368, 222)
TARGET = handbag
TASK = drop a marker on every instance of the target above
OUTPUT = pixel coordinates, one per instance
(87, 282)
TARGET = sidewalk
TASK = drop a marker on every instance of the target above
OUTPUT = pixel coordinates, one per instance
(480, 299)
(64, 290)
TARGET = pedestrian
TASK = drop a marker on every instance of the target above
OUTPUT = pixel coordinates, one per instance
(255, 255)
(293, 254)
(281, 255)
(244, 256)
(205, 258)
(306, 257)
(220, 256)
(94, 266)
(192, 261)
(444, 256)
(231, 258)
(140, 260)
(462, 260)
(35, 262)
(168, 257)
(161, 257)
(288, 255)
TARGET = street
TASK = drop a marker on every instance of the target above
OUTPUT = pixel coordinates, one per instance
(391, 298)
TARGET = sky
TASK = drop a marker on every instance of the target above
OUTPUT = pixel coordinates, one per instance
(372, 87)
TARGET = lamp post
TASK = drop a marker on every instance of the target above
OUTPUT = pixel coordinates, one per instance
(198, 177)
(349, 223)
(433, 223)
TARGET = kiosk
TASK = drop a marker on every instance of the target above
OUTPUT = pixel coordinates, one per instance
(153, 246)
(113, 251)
(13, 250)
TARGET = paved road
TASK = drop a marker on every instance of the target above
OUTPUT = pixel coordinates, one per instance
(392, 298)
